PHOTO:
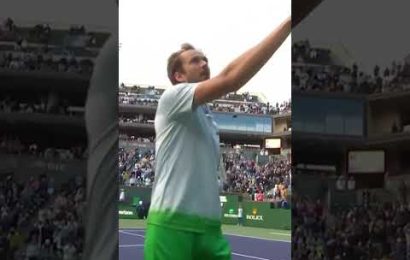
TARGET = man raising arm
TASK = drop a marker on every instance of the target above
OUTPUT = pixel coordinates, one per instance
(243, 68)
(184, 220)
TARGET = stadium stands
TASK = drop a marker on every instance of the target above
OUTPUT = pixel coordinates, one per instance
(45, 73)
(244, 175)
(231, 103)
(314, 70)
(363, 231)
(338, 213)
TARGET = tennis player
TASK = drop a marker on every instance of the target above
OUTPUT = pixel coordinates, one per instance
(184, 220)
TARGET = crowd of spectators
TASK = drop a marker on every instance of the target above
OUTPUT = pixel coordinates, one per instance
(136, 166)
(133, 139)
(262, 182)
(39, 105)
(17, 208)
(365, 231)
(140, 90)
(302, 52)
(139, 118)
(43, 33)
(249, 104)
(244, 97)
(41, 217)
(11, 144)
(314, 75)
(41, 221)
(348, 80)
(140, 99)
(42, 59)
(41, 48)
(252, 108)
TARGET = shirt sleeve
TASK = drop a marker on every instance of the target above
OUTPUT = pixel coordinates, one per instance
(177, 102)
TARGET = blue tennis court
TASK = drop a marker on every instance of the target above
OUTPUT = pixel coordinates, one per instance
(131, 243)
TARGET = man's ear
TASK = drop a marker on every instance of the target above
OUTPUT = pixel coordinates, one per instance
(180, 77)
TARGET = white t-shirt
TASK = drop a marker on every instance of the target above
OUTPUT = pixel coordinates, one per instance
(240, 213)
(187, 160)
(122, 195)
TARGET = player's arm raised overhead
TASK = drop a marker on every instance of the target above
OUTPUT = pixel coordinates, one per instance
(243, 68)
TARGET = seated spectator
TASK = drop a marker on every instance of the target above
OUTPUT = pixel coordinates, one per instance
(351, 183)
(341, 182)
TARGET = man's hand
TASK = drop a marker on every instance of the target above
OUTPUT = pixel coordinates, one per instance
(244, 67)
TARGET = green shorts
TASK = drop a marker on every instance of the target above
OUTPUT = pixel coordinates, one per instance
(163, 243)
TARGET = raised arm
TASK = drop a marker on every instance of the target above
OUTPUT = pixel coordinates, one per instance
(243, 68)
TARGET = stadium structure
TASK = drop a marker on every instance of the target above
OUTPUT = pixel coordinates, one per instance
(45, 73)
(249, 130)
(350, 150)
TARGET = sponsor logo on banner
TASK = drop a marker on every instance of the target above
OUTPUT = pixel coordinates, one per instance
(226, 215)
(254, 215)
(230, 214)
(126, 212)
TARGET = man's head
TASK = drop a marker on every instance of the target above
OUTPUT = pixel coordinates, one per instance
(187, 65)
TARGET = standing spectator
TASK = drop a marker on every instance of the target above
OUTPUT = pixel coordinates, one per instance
(140, 210)
(276, 192)
(259, 196)
(341, 182)
(122, 195)
(240, 215)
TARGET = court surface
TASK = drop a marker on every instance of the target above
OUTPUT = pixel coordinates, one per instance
(246, 242)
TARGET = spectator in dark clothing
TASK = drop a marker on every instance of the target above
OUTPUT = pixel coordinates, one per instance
(141, 209)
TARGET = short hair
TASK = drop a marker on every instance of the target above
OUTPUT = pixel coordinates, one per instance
(175, 62)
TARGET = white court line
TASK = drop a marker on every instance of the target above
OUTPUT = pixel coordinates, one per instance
(281, 234)
(131, 234)
(250, 256)
(143, 229)
(267, 239)
(132, 229)
(136, 245)
(233, 253)
(278, 240)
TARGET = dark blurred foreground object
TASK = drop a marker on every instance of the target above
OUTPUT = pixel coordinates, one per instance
(301, 9)
(101, 117)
